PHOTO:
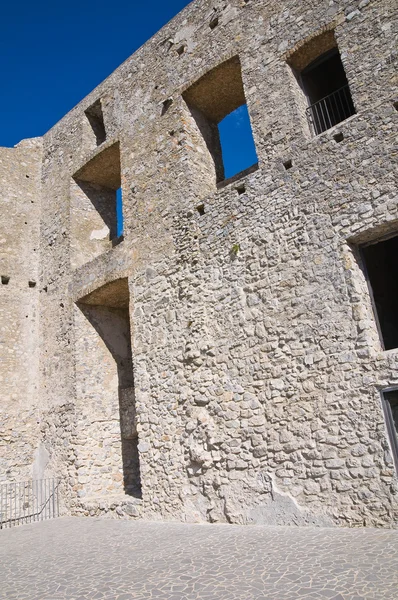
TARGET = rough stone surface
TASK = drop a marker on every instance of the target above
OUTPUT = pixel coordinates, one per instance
(91, 560)
(220, 365)
(20, 412)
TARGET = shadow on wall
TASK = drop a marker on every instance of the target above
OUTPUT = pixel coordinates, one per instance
(103, 201)
(110, 319)
(96, 206)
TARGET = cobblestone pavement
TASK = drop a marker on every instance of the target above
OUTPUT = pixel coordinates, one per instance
(83, 559)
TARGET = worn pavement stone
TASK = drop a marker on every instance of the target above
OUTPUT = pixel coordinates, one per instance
(82, 559)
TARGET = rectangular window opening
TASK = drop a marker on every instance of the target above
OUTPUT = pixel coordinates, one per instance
(390, 407)
(381, 267)
(96, 206)
(320, 73)
(217, 104)
(95, 118)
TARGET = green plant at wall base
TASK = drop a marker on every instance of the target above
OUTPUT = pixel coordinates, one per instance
(235, 249)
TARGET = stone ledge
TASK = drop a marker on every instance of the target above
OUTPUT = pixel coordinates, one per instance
(112, 506)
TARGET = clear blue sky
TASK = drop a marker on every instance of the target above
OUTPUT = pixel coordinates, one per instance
(53, 53)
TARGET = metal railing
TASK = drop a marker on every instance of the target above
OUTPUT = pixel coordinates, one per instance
(332, 109)
(28, 501)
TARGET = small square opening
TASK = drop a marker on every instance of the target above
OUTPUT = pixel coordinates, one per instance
(213, 23)
(5, 279)
(338, 137)
(241, 188)
(201, 209)
(288, 164)
(381, 268)
(166, 105)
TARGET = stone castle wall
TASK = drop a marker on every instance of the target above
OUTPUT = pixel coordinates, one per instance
(227, 358)
(20, 415)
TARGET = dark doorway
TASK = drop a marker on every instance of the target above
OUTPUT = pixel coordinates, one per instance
(381, 262)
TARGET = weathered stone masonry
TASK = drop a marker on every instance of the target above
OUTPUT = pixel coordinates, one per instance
(220, 364)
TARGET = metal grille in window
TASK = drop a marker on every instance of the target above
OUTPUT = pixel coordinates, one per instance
(331, 110)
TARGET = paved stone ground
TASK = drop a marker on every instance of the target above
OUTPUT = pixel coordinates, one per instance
(79, 559)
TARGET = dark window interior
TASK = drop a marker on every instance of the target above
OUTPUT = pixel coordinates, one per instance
(390, 406)
(324, 76)
(325, 84)
(381, 262)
